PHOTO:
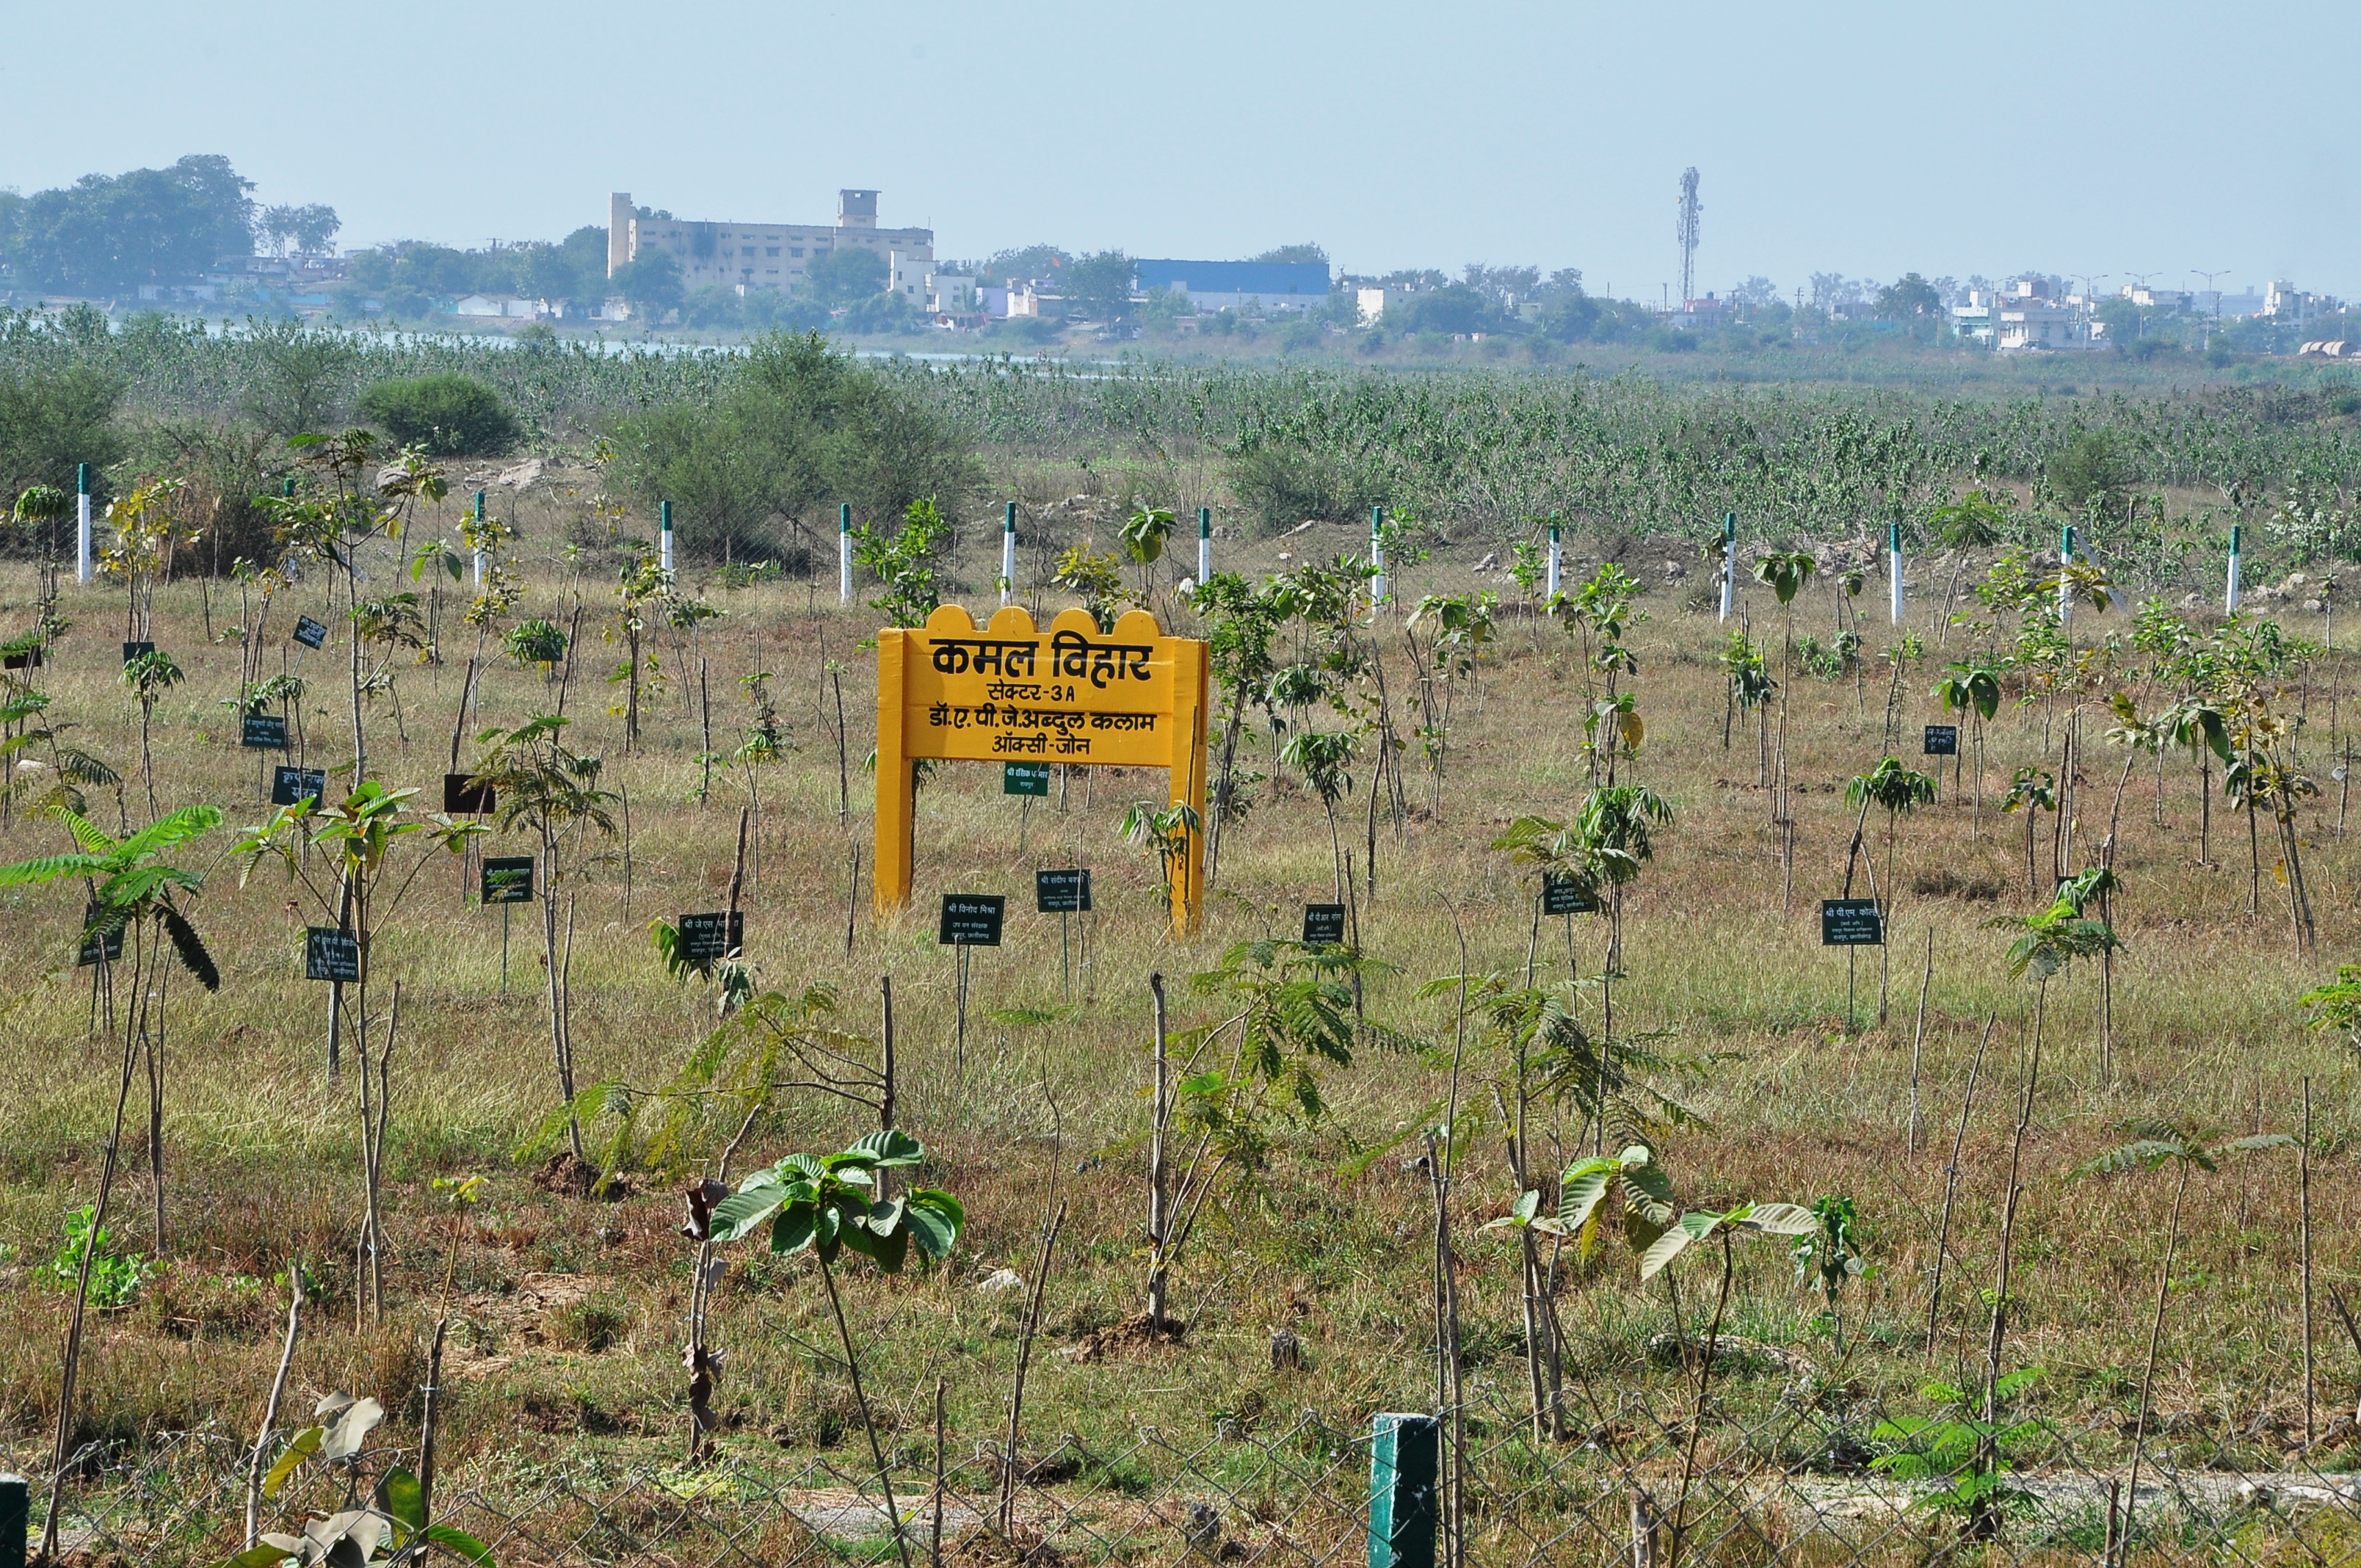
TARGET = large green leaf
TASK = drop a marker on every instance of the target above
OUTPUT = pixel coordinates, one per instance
(887, 1251)
(934, 1219)
(1780, 1219)
(189, 822)
(88, 834)
(349, 1427)
(460, 1544)
(266, 1555)
(402, 1498)
(890, 1147)
(1690, 1227)
(792, 1230)
(306, 1443)
(827, 1231)
(50, 868)
(742, 1213)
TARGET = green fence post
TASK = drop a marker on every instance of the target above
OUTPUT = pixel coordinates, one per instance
(16, 1519)
(1405, 1460)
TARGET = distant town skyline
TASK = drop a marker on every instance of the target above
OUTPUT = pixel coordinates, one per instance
(2111, 142)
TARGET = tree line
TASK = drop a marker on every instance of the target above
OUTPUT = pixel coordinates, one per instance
(723, 432)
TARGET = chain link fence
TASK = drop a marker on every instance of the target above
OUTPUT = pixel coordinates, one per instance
(1813, 1477)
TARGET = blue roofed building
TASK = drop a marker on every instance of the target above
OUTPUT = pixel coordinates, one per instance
(1234, 285)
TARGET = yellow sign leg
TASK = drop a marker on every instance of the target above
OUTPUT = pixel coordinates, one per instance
(1188, 780)
(890, 879)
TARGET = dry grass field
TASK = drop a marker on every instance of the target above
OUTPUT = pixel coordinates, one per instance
(570, 1309)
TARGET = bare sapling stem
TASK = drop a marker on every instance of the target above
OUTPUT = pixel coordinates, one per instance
(1998, 1327)
(867, 1422)
(59, 1453)
(1706, 1354)
(271, 1405)
(1159, 1258)
(2303, 1178)
(1917, 1045)
(1951, 1188)
(1010, 1459)
(935, 1541)
(2147, 1376)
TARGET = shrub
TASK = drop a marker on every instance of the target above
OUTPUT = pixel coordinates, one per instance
(448, 413)
(1279, 485)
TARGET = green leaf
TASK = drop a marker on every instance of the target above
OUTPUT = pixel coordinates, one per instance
(50, 868)
(189, 822)
(887, 1251)
(888, 1147)
(1676, 1241)
(1581, 1190)
(460, 1544)
(349, 1427)
(934, 1219)
(1781, 1219)
(305, 1444)
(792, 1230)
(401, 1496)
(265, 1556)
(738, 1215)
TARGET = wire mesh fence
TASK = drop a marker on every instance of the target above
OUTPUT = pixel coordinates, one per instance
(1815, 1477)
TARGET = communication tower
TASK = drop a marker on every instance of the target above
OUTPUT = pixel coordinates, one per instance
(1688, 236)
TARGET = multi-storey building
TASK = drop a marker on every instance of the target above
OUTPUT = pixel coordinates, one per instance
(771, 255)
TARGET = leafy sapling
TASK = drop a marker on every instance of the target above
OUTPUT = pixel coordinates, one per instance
(830, 1203)
(1826, 1256)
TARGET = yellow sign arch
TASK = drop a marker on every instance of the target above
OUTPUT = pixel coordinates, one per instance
(1010, 692)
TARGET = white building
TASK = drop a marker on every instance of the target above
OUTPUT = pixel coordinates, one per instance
(764, 256)
(505, 307)
(1973, 321)
(1236, 285)
(954, 295)
(1375, 303)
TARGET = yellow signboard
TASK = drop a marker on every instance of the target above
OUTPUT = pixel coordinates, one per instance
(1010, 692)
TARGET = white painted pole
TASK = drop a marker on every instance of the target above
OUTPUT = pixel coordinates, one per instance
(844, 553)
(81, 522)
(1556, 565)
(1204, 545)
(1377, 555)
(1008, 555)
(1728, 561)
(664, 534)
(479, 549)
(1894, 565)
(2230, 599)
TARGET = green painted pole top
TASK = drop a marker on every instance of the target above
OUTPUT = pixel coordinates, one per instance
(1894, 537)
(1008, 518)
(1730, 527)
(1405, 1474)
(2066, 542)
(1204, 522)
(2237, 532)
(82, 478)
(1553, 530)
(287, 487)
(16, 1520)
(1376, 519)
(663, 516)
(480, 506)
(844, 517)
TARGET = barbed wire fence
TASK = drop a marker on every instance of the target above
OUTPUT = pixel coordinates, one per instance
(1815, 1477)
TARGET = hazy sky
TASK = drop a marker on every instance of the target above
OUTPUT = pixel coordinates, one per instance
(2113, 139)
